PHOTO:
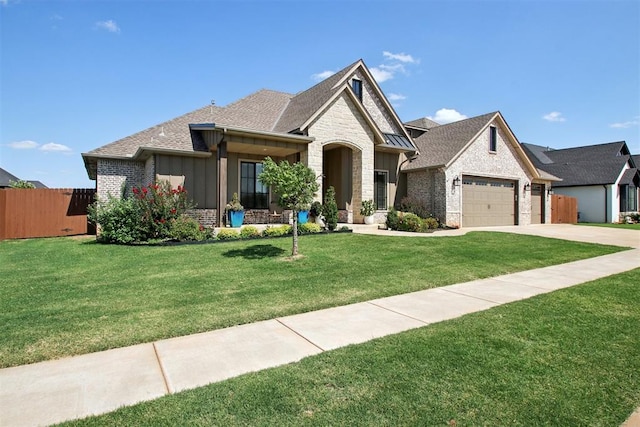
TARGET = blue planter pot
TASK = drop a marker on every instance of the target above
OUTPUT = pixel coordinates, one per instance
(236, 218)
(303, 217)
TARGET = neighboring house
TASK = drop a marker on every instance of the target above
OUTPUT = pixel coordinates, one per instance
(6, 178)
(343, 128)
(604, 178)
(474, 173)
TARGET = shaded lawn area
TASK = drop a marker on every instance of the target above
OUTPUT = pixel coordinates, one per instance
(567, 358)
(624, 226)
(64, 297)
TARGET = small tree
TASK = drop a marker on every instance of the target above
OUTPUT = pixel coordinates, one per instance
(21, 184)
(330, 209)
(295, 183)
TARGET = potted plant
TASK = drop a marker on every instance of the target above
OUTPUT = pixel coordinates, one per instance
(303, 214)
(367, 210)
(235, 211)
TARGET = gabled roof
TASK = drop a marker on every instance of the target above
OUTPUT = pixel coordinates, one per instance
(443, 143)
(270, 112)
(600, 164)
(304, 104)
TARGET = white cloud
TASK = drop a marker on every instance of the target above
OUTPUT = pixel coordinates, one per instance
(323, 75)
(402, 57)
(396, 97)
(23, 145)
(109, 25)
(626, 125)
(380, 74)
(554, 116)
(446, 115)
(52, 146)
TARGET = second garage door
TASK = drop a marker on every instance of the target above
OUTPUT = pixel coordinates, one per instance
(488, 202)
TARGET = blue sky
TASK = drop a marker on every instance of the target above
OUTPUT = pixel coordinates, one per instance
(75, 75)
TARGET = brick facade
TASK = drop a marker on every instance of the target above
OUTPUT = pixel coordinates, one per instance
(113, 175)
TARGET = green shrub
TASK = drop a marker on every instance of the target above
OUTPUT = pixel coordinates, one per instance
(119, 220)
(410, 222)
(249, 231)
(330, 209)
(309, 228)
(413, 205)
(368, 208)
(21, 184)
(431, 223)
(316, 209)
(228, 234)
(344, 228)
(280, 230)
(187, 228)
(392, 219)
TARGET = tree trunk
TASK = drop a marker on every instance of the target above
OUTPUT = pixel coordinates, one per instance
(294, 250)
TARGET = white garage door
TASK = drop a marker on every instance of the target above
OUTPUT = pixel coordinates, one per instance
(488, 202)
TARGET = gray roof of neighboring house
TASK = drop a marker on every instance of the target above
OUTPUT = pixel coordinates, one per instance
(441, 144)
(37, 184)
(581, 166)
(6, 178)
(423, 123)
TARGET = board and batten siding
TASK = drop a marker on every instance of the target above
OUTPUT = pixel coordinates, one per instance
(389, 162)
(200, 176)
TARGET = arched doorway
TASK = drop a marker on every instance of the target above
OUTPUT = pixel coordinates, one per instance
(341, 167)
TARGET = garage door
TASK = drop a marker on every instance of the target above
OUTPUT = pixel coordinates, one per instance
(487, 202)
(537, 190)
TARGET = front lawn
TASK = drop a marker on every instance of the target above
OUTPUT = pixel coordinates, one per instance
(63, 297)
(567, 358)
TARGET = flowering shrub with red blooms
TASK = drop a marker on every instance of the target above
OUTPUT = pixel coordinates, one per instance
(150, 212)
(159, 205)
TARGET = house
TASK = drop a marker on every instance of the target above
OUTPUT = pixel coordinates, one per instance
(474, 173)
(343, 128)
(7, 178)
(603, 177)
(468, 173)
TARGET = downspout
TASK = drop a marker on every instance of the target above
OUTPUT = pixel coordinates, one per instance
(606, 210)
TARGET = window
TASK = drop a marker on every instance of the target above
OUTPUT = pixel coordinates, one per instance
(357, 88)
(253, 193)
(380, 179)
(493, 139)
(628, 198)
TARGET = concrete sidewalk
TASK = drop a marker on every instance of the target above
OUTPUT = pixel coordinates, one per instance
(54, 391)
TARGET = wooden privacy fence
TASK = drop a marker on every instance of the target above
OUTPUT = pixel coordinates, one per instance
(564, 209)
(44, 212)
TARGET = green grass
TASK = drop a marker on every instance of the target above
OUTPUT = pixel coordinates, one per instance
(62, 297)
(606, 224)
(568, 358)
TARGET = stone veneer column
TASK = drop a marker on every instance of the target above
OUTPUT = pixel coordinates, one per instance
(312, 158)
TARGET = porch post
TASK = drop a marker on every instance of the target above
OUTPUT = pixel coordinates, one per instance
(221, 163)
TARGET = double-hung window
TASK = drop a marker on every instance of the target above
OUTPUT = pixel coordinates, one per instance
(380, 180)
(253, 193)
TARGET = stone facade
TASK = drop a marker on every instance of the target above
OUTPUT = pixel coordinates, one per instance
(113, 175)
(343, 124)
(375, 107)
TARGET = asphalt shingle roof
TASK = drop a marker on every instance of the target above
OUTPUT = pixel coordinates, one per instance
(423, 123)
(304, 104)
(441, 144)
(590, 165)
(6, 178)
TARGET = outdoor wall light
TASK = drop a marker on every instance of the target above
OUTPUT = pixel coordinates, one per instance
(527, 187)
(550, 191)
(456, 181)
